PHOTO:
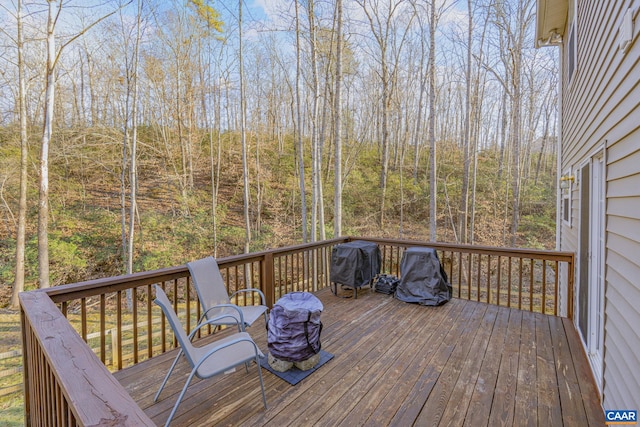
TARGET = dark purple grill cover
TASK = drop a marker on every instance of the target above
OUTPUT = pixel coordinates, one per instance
(355, 263)
(423, 280)
(294, 327)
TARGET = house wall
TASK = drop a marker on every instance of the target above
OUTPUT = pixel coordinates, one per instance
(601, 108)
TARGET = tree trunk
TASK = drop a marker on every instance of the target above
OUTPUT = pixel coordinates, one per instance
(315, 148)
(243, 136)
(545, 137)
(417, 135)
(524, 11)
(18, 284)
(215, 164)
(337, 122)
(432, 123)
(43, 198)
(385, 133)
(133, 172)
(463, 214)
(123, 181)
(303, 197)
(503, 133)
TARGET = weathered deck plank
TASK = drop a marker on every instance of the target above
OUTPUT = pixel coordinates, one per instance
(503, 405)
(436, 402)
(482, 397)
(464, 363)
(416, 361)
(549, 413)
(526, 404)
(573, 412)
(460, 401)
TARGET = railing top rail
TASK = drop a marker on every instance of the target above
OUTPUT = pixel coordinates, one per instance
(95, 396)
(74, 291)
(550, 255)
(95, 287)
(100, 286)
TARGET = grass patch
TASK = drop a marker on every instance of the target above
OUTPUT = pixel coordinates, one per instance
(12, 408)
(11, 404)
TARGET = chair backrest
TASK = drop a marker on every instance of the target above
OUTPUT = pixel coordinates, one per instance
(163, 301)
(208, 282)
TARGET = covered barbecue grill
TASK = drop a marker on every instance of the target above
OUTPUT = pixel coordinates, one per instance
(423, 279)
(354, 264)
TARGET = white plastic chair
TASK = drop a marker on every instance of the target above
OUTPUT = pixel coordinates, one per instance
(211, 359)
(215, 300)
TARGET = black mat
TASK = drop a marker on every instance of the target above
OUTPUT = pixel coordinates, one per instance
(294, 375)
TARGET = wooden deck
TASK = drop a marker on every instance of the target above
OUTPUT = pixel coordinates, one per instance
(461, 364)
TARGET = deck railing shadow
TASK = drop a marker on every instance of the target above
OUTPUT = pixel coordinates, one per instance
(74, 335)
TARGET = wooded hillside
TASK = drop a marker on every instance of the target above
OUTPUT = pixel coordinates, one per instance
(85, 235)
(143, 135)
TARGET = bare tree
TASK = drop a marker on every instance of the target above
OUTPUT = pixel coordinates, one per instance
(216, 98)
(315, 139)
(381, 17)
(50, 82)
(298, 131)
(43, 200)
(463, 214)
(243, 135)
(337, 123)
(433, 183)
(131, 123)
(516, 35)
(418, 131)
(18, 284)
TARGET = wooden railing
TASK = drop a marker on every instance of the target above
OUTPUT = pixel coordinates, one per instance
(526, 279)
(64, 383)
(109, 324)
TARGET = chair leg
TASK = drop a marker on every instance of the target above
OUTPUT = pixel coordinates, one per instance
(264, 396)
(175, 361)
(184, 390)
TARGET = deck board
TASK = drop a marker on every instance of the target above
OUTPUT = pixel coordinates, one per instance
(548, 398)
(573, 412)
(435, 404)
(487, 377)
(460, 401)
(464, 363)
(503, 404)
(526, 404)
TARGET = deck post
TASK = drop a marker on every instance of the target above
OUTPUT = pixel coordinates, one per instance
(267, 274)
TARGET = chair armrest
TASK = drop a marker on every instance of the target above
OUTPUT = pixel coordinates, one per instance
(208, 322)
(250, 290)
(234, 306)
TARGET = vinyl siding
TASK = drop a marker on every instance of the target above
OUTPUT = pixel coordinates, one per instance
(624, 208)
(625, 167)
(601, 108)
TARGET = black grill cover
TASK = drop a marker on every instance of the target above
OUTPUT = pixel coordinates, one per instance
(355, 263)
(423, 279)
